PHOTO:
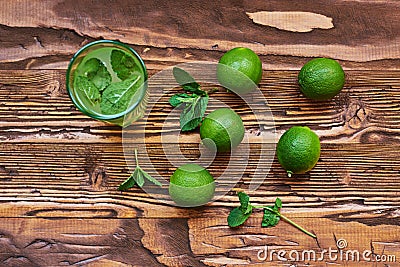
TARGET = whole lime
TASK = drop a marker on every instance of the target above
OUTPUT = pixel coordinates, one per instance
(239, 70)
(191, 185)
(298, 150)
(222, 129)
(321, 78)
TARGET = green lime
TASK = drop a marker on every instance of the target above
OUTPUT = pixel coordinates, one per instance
(191, 185)
(298, 150)
(321, 78)
(222, 129)
(239, 70)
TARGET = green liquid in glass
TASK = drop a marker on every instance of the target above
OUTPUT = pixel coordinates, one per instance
(108, 80)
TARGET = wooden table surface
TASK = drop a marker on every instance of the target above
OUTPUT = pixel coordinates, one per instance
(59, 170)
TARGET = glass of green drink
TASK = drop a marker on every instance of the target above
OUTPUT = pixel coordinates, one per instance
(107, 80)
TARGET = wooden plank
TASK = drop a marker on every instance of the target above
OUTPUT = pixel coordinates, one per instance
(47, 33)
(62, 180)
(34, 107)
(192, 242)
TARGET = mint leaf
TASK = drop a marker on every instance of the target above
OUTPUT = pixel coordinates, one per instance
(193, 88)
(90, 67)
(236, 217)
(193, 113)
(138, 177)
(278, 203)
(178, 99)
(89, 90)
(97, 73)
(123, 64)
(150, 178)
(240, 214)
(128, 183)
(135, 178)
(187, 82)
(183, 77)
(270, 218)
(102, 79)
(245, 205)
(271, 214)
(117, 96)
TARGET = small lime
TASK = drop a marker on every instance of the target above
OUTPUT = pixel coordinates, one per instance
(239, 70)
(222, 129)
(298, 150)
(191, 185)
(321, 78)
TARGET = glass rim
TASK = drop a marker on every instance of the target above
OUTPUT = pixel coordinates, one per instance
(84, 110)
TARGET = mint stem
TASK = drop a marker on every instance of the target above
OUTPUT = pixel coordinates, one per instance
(291, 222)
(136, 158)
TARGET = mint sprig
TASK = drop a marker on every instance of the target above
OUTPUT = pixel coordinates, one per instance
(194, 102)
(138, 178)
(271, 216)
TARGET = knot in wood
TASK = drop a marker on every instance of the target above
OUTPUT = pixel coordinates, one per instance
(53, 88)
(356, 115)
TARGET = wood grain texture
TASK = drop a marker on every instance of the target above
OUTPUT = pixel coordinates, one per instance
(47, 33)
(367, 109)
(59, 169)
(165, 242)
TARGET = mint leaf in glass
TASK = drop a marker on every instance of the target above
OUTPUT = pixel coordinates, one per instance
(97, 73)
(89, 90)
(90, 67)
(117, 96)
(123, 64)
(102, 79)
